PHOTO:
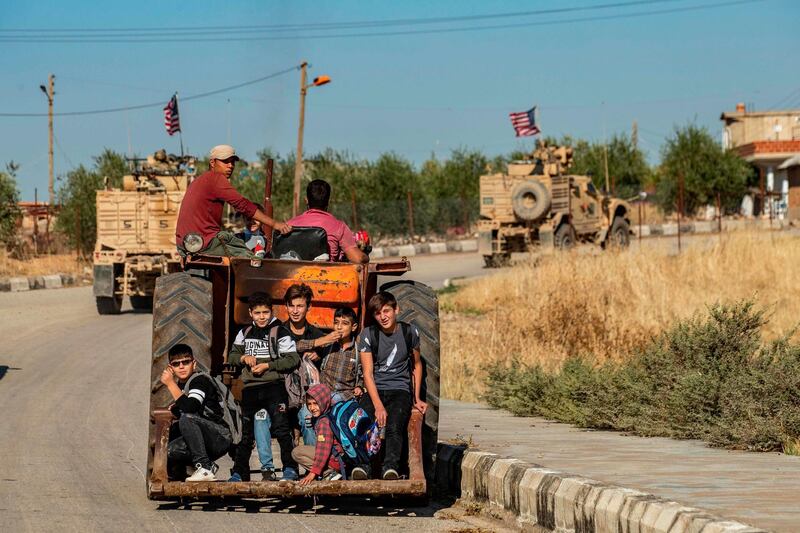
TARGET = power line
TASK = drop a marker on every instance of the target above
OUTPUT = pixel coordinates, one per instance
(786, 99)
(155, 104)
(115, 40)
(337, 25)
(63, 153)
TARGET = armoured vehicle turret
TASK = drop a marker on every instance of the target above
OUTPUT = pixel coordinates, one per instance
(537, 203)
(136, 231)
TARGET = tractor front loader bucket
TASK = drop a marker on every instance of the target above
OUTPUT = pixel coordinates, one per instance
(160, 488)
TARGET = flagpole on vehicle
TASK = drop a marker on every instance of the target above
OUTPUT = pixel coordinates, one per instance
(180, 131)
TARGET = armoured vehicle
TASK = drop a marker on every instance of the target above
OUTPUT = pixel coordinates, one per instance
(206, 303)
(136, 231)
(538, 203)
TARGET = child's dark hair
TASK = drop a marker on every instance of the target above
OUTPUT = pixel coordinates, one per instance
(298, 290)
(257, 299)
(179, 350)
(345, 312)
(380, 299)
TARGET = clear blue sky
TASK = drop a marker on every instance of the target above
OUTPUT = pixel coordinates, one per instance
(412, 94)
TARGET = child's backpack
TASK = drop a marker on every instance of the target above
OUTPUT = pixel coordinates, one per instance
(355, 431)
(231, 412)
(299, 380)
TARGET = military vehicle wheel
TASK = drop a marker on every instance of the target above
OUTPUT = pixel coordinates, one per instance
(109, 305)
(530, 200)
(565, 237)
(142, 303)
(182, 313)
(419, 305)
(497, 260)
(620, 234)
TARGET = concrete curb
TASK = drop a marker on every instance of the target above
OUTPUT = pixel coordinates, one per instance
(409, 250)
(708, 226)
(50, 281)
(540, 499)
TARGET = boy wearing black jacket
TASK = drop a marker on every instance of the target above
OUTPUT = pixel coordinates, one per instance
(200, 435)
(266, 352)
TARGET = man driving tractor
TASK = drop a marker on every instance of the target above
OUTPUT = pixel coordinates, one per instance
(200, 216)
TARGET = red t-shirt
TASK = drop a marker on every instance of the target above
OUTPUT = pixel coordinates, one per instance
(340, 237)
(201, 208)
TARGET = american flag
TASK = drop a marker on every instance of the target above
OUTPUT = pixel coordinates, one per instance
(525, 122)
(171, 119)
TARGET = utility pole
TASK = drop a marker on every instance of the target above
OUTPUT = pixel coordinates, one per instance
(50, 93)
(605, 149)
(680, 207)
(298, 164)
(635, 135)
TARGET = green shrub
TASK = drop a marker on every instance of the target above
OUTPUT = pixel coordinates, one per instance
(709, 377)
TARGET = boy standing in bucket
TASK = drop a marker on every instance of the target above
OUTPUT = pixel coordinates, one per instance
(392, 366)
(266, 352)
(341, 370)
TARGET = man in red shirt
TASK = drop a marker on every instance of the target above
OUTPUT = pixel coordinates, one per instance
(341, 242)
(202, 205)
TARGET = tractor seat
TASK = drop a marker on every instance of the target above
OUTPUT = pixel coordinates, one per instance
(302, 244)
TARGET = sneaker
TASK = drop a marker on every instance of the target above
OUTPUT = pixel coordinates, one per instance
(290, 474)
(359, 473)
(390, 474)
(202, 474)
(268, 474)
(331, 475)
(235, 477)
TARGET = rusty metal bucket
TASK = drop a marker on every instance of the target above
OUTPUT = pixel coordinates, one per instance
(159, 488)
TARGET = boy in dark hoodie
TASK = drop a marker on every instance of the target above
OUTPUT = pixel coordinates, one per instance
(320, 459)
(266, 352)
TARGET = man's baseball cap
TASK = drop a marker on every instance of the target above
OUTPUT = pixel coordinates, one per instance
(222, 151)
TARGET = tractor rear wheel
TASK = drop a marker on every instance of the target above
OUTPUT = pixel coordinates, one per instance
(419, 306)
(182, 313)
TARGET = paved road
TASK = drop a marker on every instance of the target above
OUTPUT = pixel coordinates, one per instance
(74, 426)
(434, 269)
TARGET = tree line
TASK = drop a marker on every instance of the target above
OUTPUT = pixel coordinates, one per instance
(390, 194)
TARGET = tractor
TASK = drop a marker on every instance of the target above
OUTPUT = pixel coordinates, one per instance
(205, 303)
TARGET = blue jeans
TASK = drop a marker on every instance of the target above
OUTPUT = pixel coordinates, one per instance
(261, 426)
(309, 436)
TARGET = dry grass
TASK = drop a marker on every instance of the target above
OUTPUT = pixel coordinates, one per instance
(606, 305)
(38, 266)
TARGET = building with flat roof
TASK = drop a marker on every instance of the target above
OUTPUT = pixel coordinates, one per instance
(768, 140)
